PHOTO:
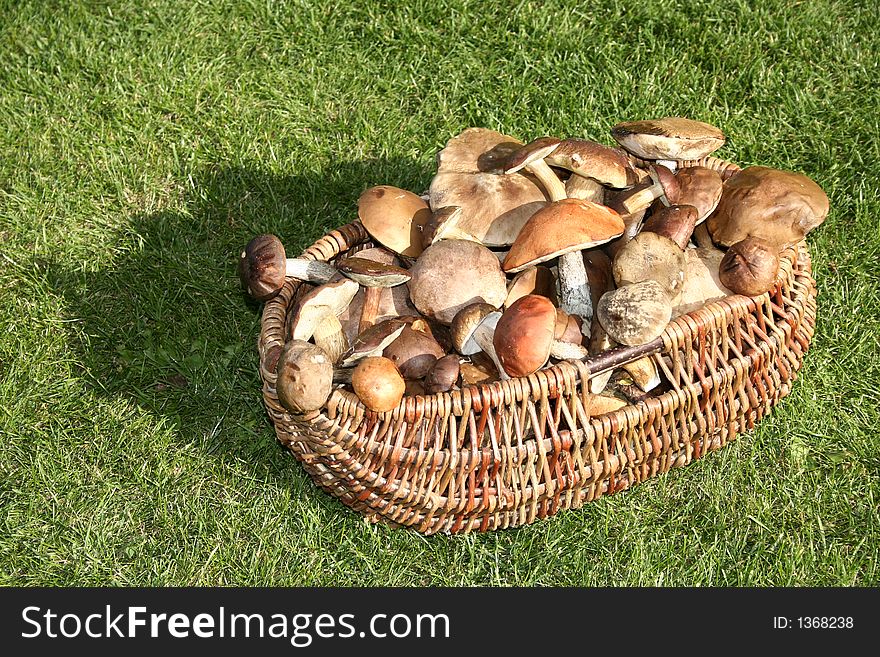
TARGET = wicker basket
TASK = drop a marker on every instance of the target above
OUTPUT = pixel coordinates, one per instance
(507, 453)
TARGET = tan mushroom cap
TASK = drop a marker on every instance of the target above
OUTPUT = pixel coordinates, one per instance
(702, 283)
(532, 280)
(535, 150)
(777, 206)
(750, 267)
(394, 217)
(373, 341)
(452, 274)
(305, 376)
(670, 138)
(378, 383)
(464, 324)
(470, 175)
(370, 273)
(562, 227)
(604, 164)
(524, 335)
(312, 307)
(654, 257)
(414, 353)
(635, 314)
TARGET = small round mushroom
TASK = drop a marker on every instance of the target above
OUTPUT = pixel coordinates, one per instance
(750, 267)
(378, 384)
(669, 138)
(644, 373)
(660, 184)
(654, 257)
(676, 222)
(263, 266)
(452, 274)
(305, 376)
(394, 217)
(414, 353)
(563, 229)
(524, 335)
(316, 316)
(470, 176)
(443, 375)
(635, 314)
(531, 158)
(780, 207)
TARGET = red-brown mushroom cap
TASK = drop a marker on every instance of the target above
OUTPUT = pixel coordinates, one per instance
(562, 227)
(669, 138)
(394, 217)
(262, 267)
(524, 335)
(604, 164)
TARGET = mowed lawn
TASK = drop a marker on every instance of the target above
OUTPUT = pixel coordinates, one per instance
(143, 143)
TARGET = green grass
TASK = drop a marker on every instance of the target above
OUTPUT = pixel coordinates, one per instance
(142, 143)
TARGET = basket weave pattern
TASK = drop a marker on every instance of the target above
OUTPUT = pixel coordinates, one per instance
(508, 453)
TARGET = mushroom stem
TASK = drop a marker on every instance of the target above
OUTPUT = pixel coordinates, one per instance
(549, 180)
(672, 165)
(311, 271)
(584, 188)
(644, 373)
(641, 198)
(599, 342)
(330, 337)
(567, 350)
(370, 310)
(483, 336)
(574, 287)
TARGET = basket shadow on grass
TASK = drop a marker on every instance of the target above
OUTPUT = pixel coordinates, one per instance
(168, 329)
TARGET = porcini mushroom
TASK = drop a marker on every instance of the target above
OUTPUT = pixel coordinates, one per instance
(263, 266)
(443, 375)
(701, 280)
(304, 376)
(373, 276)
(593, 166)
(394, 217)
(470, 176)
(414, 353)
(452, 274)
(563, 229)
(654, 257)
(635, 314)
(675, 222)
(316, 316)
(780, 207)
(532, 280)
(749, 267)
(531, 158)
(372, 342)
(701, 188)
(668, 139)
(660, 184)
(524, 335)
(378, 384)
(472, 330)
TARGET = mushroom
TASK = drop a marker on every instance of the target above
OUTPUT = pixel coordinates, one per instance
(443, 375)
(263, 266)
(660, 184)
(531, 158)
(568, 328)
(414, 353)
(563, 229)
(675, 222)
(592, 165)
(378, 384)
(479, 370)
(470, 175)
(394, 217)
(316, 316)
(650, 256)
(701, 280)
(452, 274)
(472, 331)
(304, 376)
(700, 187)
(668, 139)
(644, 373)
(780, 207)
(635, 314)
(374, 276)
(373, 341)
(750, 267)
(532, 280)
(524, 335)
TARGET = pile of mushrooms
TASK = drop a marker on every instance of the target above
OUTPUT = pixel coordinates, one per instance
(523, 255)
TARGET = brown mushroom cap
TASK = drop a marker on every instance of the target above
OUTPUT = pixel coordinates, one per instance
(370, 273)
(649, 256)
(452, 274)
(373, 341)
(312, 307)
(700, 187)
(494, 206)
(394, 217)
(443, 375)
(670, 138)
(305, 376)
(262, 266)
(464, 324)
(524, 334)
(568, 328)
(562, 227)
(675, 222)
(635, 314)
(414, 353)
(532, 280)
(701, 280)
(750, 267)
(604, 164)
(780, 207)
(535, 150)
(378, 384)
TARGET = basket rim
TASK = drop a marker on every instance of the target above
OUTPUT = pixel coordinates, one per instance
(478, 396)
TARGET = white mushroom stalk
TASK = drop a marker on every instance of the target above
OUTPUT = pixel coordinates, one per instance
(531, 158)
